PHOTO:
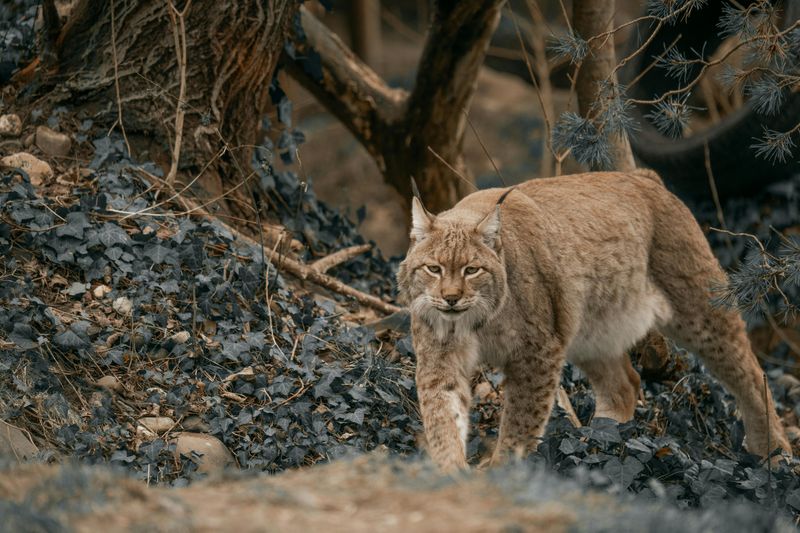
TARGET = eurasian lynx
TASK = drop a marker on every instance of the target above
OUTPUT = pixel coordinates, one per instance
(575, 268)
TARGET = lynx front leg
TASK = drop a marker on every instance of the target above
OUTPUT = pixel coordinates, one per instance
(530, 391)
(443, 388)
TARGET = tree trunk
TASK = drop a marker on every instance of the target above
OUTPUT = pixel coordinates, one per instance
(591, 18)
(231, 52)
(408, 134)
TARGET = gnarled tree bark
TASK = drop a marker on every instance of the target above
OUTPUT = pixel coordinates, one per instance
(232, 49)
(405, 132)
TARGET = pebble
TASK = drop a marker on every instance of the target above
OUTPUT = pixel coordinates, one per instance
(52, 142)
(483, 390)
(110, 383)
(194, 423)
(157, 424)
(100, 291)
(123, 306)
(36, 169)
(214, 456)
(180, 337)
(10, 125)
(787, 381)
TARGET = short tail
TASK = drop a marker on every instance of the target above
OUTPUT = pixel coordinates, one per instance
(649, 174)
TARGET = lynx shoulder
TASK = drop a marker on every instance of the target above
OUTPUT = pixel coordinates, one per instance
(575, 268)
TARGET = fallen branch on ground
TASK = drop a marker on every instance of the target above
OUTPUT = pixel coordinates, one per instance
(339, 257)
(298, 269)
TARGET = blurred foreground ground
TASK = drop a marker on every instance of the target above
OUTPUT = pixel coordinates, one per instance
(370, 493)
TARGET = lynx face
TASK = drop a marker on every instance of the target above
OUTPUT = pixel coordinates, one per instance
(454, 274)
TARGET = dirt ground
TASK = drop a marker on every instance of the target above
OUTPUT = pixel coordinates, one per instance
(370, 493)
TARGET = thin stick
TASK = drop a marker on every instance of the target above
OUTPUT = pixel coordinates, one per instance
(546, 140)
(714, 194)
(339, 257)
(177, 20)
(116, 78)
(485, 151)
(448, 165)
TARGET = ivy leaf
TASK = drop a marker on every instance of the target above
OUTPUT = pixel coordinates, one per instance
(110, 234)
(76, 224)
(69, 340)
(622, 472)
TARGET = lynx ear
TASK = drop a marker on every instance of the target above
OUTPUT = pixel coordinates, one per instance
(489, 228)
(421, 220)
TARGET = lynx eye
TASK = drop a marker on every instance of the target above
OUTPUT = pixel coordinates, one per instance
(471, 270)
(433, 269)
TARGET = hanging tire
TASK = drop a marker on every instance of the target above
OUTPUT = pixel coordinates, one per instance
(682, 162)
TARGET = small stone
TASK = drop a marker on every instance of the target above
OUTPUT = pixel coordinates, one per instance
(10, 125)
(794, 394)
(27, 142)
(15, 444)
(787, 382)
(157, 424)
(194, 423)
(213, 455)
(123, 306)
(52, 142)
(483, 390)
(36, 169)
(180, 337)
(100, 291)
(793, 434)
(110, 383)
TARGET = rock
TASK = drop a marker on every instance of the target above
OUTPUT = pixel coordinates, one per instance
(100, 291)
(110, 383)
(10, 125)
(194, 423)
(213, 455)
(36, 169)
(52, 142)
(483, 390)
(27, 142)
(793, 434)
(787, 381)
(123, 306)
(157, 424)
(14, 443)
(180, 337)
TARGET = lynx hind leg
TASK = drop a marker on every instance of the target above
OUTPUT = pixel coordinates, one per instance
(719, 337)
(683, 266)
(529, 393)
(615, 384)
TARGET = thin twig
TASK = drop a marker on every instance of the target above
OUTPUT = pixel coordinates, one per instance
(448, 165)
(485, 151)
(116, 78)
(546, 139)
(179, 35)
(714, 194)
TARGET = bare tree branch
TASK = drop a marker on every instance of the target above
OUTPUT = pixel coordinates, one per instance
(398, 128)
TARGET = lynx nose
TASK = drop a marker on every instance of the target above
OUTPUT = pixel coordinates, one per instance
(451, 300)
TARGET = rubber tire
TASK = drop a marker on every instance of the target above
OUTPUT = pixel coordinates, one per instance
(681, 162)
